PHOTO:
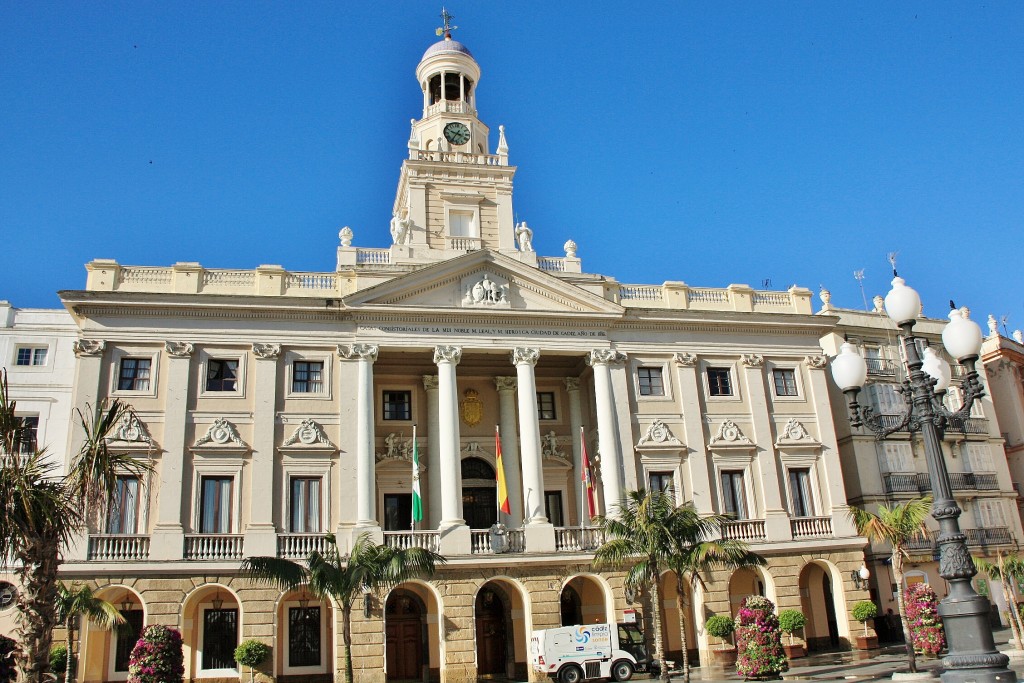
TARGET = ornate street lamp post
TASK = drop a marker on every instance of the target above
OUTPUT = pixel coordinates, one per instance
(972, 654)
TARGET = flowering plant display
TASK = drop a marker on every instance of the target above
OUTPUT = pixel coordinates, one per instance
(759, 640)
(922, 606)
(157, 657)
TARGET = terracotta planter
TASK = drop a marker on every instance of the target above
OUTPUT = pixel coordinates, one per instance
(725, 656)
(795, 651)
(867, 642)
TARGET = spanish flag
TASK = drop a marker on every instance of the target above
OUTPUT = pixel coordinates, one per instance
(502, 488)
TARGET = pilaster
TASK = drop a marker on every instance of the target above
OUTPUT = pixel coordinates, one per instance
(260, 533)
(366, 483)
(168, 538)
(696, 446)
(842, 522)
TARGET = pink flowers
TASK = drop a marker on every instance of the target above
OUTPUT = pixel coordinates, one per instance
(157, 657)
(759, 640)
(925, 625)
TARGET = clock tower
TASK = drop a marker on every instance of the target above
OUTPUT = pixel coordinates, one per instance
(454, 195)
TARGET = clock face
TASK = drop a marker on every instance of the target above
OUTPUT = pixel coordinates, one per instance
(456, 133)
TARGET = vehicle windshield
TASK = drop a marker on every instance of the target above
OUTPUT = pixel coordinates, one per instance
(631, 639)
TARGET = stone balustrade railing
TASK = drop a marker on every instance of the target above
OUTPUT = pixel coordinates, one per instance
(213, 547)
(403, 540)
(811, 527)
(460, 157)
(449, 106)
(747, 530)
(481, 542)
(578, 538)
(300, 546)
(680, 296)
(118, 547)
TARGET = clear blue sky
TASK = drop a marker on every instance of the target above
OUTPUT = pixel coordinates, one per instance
(705, 142)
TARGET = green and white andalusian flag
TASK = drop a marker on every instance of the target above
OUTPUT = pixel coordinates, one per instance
(417, 498)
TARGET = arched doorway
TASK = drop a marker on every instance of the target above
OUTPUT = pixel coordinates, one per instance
(105, 652)
(479, 493)
(670, 625)
(818, 603)
(305, 635)
(493, 628)
(584, 601)
(406, 633)
(571, 607)
(211, 630)
(743, 582)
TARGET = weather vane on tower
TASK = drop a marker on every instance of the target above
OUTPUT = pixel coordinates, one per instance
(447, 29)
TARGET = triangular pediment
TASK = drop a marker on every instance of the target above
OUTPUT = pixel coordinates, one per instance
(483, 282)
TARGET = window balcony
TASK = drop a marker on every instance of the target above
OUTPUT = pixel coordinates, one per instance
(300, 546)
(922, 545)
(988, 537)
(880, 367)
(403, 540)
(811, 527)
(901, 483)
(118, 547)
(578, 538)
(962, 481)
(515, 541)
(968, 425)
(748, 530)
(213, 547)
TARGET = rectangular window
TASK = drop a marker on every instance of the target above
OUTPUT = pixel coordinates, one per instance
(397, 405)
(123, 515)
(546, 405)
(221, 375)
(800, 492)
(979, 458)
(31, 356)
(134, 374)
(28, 443)
(397, 511)
(650, 382)
(305, 500)
(990, 514)
(303, 636)
(127, 635)
(719, 383)
(461, 224)
(307, 377)
(785, 382)
(734, 496)
(215, 507)
(220, 638)
(899, 457)
(553, 507)
(662, 481)
(885, 399)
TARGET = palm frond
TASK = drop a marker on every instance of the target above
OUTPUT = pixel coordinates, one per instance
(94, 470)
(277, 571)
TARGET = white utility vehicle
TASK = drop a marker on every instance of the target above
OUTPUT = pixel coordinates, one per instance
(578, 653)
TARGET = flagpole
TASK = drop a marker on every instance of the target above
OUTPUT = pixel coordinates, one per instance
(412, 512)
(583, 482)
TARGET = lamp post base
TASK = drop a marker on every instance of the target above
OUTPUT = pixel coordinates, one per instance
(973, 656)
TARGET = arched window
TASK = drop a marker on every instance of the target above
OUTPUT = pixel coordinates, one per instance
(476, 468)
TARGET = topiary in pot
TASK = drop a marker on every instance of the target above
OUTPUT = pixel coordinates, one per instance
(790, 621)
(157, 657)
(759, 640)
(252, 653)
(863, 611)
(58, 659)
(720, 627)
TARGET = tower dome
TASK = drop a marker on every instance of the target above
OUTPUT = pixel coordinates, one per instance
(446, 45)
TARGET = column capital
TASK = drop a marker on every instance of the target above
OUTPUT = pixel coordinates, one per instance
(572, 383)
(266, 351)
(605, 357)
(179, 349)
(505, 383)
(447, 354)
(752, 360)
(684, 360)
(525, 354)
(367, 352)
(430, 382)
(88, 347)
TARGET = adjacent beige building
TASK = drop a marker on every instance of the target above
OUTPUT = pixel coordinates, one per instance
(1003, 358)
(275, 406)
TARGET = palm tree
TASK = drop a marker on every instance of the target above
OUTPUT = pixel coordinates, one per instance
(896, 526)
(1003, 570)
(694, 552)
(640, 534)
(331, 575)
(79, 601)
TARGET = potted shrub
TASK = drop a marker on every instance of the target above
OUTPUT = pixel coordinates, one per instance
(759, 640)
(157, 657)
(252, 653)
(721, 627)
(923, 614)
(790, 621)
(58, 659)
(863, 611)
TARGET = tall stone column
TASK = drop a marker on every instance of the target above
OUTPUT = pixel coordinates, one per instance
(776, 517)
(433, 460)
(366, 481)
(697, 462)
(607, 437)
(260, 534)
(539, 533)
(572, 387)
(510, 448)
(168, 540)
(455, 536)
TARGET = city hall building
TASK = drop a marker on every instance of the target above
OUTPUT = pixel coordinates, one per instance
(276, 406)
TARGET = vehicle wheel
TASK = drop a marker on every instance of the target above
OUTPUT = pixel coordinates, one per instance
(622, 670)
(570, 674)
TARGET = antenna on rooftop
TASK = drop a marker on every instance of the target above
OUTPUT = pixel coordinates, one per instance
(1003, 320)
(858, 275)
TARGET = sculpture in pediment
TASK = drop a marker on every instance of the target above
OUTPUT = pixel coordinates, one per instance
(486, 292)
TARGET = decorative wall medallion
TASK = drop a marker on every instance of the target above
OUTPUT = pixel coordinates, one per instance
(794, 431)
(686, 360)
(308, 433)
(472, 409)
(729, 434)
(366, 352)
(659, 433)
(752, 360)
(485, 292)
(178, 349)
(88, 347)
(605, 357)
(132, 430)
(816, 362)
(220, 433)
(505, 383)
(266, 351)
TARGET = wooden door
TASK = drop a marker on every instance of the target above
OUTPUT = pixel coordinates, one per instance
(404, 633)
(491, 636)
